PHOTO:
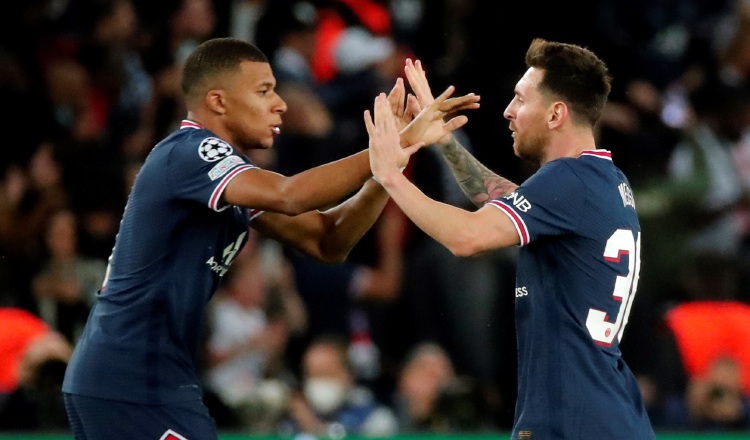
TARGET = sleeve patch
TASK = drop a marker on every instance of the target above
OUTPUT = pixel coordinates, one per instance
(214, 201)
(213, 149)
(225, 165)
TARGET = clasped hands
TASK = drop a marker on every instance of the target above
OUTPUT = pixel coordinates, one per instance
(402, 124)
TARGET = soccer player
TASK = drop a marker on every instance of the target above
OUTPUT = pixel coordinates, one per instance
(579, 236)
(133, 373)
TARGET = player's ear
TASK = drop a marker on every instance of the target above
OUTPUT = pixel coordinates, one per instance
(216, 101)
(558, 111)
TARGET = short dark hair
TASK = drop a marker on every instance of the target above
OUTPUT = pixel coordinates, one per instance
(215, 57)
(339, 344)
(573, 73)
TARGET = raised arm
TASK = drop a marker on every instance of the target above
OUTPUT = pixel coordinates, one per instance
(477, 181)
(462, 232)
(331, 234)
(327, 184)
(327, 235)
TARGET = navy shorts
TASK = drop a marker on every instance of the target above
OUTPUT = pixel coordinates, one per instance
(99, 419)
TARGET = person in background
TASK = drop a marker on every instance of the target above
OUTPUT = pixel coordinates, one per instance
(186, 219)
(703, 375)
(33, 357)
(30, 193)
(427, 370)
(65, 287)
(431, 397)
(332, 404)
(20, 328)
(713, 402)
(251, 320)
(717, 401)
(576, 223)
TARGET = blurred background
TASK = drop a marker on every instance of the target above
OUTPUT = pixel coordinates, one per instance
(403, 338)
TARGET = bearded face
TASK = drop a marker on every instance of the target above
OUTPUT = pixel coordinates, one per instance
(527, 113)
(528, 144)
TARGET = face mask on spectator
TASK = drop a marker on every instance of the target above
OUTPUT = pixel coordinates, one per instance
(325, 395)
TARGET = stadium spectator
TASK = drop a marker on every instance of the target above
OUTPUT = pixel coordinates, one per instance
(331, 403)
(35, 404)
(703, 379)
(714, 402)
(698, 205)
(32, 193)
(251, 319)
(66, 285)
(431, 398)
(20, 328)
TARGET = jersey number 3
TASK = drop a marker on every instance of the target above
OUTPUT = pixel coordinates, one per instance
(622, 242)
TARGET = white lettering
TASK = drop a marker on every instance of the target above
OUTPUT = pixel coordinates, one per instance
(627, 195)
(519, 201)
(228, 255)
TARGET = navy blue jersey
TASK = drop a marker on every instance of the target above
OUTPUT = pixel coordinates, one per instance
(175, 242)
(576, 280)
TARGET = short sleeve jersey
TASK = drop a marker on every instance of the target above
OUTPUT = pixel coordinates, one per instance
(176, 240)
(576, 279)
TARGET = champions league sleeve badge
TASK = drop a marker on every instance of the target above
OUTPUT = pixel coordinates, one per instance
(213, 149)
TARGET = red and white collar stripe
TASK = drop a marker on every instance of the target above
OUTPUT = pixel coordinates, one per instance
(604, 154)
(190, 124)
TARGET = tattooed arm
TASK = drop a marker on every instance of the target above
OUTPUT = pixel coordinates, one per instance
(475, 180)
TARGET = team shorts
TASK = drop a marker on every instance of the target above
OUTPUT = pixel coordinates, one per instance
(102, 419)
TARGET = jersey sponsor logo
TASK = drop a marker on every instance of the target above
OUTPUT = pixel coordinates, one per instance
(216, 266)
(227, 257)
(225, 165)
(213, 149)
(171, 435)
(524, 435)
(521, 292)
(627, 195)
(519, 201)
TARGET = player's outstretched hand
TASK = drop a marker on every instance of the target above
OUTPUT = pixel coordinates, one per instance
(434, 121)
(397, 101)
(417, 77)
(423, 97)
(386, 154)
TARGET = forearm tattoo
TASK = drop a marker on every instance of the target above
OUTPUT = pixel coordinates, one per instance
(475, 180)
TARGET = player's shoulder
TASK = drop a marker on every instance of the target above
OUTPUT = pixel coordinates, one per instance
(558, 173)
(585, 161)
(195, 145)
(588, 165)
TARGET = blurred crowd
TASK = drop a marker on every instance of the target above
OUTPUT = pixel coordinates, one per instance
(404, 337)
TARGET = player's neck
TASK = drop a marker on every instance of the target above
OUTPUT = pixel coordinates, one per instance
(209, 122)
(571, 145)
(195, 117)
